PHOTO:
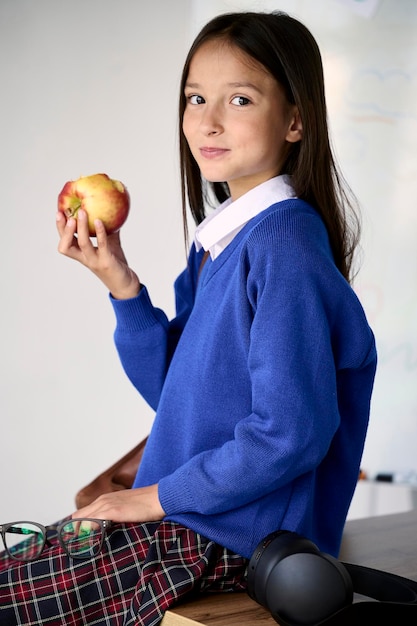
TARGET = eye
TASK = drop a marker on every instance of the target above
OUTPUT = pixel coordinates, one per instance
(195, 99)
(240, 101)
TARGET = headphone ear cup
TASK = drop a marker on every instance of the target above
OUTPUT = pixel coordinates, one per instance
(269, 552)
(297, 583)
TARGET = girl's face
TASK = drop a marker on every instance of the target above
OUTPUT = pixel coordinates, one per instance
(237, 121)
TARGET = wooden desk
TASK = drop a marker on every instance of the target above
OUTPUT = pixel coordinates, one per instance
(388, 543)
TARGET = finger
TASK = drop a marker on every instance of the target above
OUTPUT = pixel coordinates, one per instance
(113, 505)
(65, 225)
(76, 525)
(89, 509)
(68, 244)
(114, 246)
(101, 235)
(61, 221)
(84, 512)
(83, 234)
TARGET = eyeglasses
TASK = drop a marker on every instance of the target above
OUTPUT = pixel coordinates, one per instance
(80, 538)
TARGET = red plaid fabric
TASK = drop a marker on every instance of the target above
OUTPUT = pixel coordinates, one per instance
(142, 571)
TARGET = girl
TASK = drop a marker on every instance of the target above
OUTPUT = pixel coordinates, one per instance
(262, 383)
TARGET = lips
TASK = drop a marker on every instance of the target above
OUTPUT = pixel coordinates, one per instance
(212, 153)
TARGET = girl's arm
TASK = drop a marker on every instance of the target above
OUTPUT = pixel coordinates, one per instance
(146, 339)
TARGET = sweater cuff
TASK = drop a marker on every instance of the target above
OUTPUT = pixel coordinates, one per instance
(134, 314)
(172, 499)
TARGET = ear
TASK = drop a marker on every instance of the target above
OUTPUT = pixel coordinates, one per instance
(295, 127)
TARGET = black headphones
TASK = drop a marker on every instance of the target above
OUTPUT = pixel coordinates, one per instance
(301, 586)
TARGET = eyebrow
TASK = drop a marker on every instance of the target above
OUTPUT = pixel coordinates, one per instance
(235, 85)
(245, 84)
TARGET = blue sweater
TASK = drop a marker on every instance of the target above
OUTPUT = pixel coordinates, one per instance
(261, 385)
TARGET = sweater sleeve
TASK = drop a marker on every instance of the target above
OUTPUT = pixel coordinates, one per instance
(144, 337)
(307, 325)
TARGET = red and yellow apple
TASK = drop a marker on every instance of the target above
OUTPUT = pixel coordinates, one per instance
(100, 197)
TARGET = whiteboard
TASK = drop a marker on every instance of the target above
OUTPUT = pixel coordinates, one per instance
(370, 60)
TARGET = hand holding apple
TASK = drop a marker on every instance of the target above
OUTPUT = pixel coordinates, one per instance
(100, 197)
(92, 198)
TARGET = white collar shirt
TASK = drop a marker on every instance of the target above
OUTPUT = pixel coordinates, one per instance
(219, 228)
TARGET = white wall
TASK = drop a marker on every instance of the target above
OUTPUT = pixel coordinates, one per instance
(92, 85)
(87, 86)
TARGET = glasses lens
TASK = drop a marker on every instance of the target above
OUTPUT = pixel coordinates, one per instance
(24, 540)
(82, 538)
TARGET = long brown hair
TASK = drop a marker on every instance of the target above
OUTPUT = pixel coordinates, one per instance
(287, 49)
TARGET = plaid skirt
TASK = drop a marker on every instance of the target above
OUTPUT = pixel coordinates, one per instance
(143, 570)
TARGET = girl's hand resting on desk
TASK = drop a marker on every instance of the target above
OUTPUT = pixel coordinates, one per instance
(127, 505)
(106, 260)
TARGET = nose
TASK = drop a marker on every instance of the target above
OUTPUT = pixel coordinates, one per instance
(211, 121)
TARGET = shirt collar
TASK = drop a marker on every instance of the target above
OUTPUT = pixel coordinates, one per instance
(219, 228)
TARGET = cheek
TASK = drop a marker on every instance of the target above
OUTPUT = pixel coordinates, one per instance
(259, 140)
(187, 125)
(187, 129)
